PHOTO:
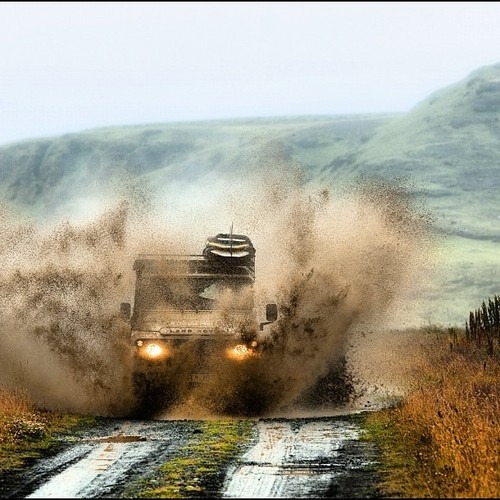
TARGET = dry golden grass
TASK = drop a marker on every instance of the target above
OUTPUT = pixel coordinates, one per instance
(443, 439)
(27, 431)
(14, 402)
(19, 419)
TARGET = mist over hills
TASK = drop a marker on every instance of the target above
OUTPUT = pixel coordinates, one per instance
(446, 149)
(448, 146)
(44, 177)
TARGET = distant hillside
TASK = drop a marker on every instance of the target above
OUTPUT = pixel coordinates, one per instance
(42, 176)
(450, 146)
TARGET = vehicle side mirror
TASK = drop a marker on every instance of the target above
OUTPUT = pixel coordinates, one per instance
(271, 315)
(125, 311)
(271, 312)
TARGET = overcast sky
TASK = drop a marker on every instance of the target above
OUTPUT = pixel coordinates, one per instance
(71, 66)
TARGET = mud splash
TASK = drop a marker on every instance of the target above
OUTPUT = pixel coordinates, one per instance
(333, 262)
(61, 339)
(341, 264)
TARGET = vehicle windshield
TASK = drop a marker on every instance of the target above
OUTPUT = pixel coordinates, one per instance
(156, 292)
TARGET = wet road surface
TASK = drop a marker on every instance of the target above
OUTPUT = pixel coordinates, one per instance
(103, 461)
(306, 457)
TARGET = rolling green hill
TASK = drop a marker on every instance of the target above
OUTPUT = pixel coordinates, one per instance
(450, 145)
(42, 177)
(446, 149)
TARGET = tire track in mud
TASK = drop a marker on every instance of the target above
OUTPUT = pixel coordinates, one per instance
(103, 462)
(304, 458)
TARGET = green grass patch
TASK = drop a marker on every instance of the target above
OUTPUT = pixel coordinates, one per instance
(398, 465)
(199, 468)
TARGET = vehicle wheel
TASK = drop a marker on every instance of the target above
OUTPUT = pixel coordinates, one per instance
(151, 390)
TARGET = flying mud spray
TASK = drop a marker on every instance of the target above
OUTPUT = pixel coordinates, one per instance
(335, 260)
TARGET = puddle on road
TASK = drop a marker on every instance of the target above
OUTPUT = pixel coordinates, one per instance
(299, 462)
(72, 482)
(120, 439)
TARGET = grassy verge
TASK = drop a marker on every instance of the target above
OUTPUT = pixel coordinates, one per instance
(442, 440)
(26, 433)
(199, 469)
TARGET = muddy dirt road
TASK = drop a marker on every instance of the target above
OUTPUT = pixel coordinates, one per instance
(305, 457)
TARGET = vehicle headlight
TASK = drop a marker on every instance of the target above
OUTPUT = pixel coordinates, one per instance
(153, 350)
(238, 352)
